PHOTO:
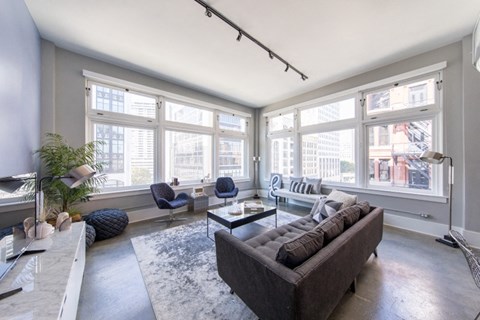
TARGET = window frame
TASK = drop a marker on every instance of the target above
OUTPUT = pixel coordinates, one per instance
(160, 125)
(363, 121)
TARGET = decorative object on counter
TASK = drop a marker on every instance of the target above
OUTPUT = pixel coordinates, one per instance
(108, 223)
(438, 158)
(64, 221)
(42, 230)
(175, 182)
(90, 235)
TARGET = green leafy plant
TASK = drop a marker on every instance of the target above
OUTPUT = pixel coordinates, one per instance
(58, 158)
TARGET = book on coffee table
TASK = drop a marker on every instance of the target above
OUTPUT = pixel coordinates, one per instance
(253, 206)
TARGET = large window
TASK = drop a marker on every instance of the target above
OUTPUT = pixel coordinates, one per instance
(329, 155)
(370, 138)
(149, 138)
(188, 156)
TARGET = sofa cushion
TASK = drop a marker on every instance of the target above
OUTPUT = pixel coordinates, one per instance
(350, 216)
(294, 252)
(364, 208)
(330, 208)
(339, 196)
(332, 227)
(268, 242)
(316, 184)
(305, 223)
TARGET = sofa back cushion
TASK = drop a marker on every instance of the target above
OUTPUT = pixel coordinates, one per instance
(332, 227)
(340, 196)
(350, 216)
(364, 208)
(297, 250)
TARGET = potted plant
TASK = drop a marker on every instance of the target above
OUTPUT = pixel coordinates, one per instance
(58, 158)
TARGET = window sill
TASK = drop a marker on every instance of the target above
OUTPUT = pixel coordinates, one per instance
(393, 194)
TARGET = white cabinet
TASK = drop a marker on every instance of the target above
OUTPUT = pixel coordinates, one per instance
(51, 280)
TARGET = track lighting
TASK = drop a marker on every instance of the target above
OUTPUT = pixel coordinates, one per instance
(209, 11)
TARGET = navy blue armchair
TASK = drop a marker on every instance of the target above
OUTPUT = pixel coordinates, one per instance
(225, 188)
(164, 197)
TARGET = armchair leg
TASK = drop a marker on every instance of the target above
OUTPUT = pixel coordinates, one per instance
(224, 202)
(170, 218)
(477, 316)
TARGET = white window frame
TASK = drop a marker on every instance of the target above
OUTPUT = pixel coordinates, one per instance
(362, 121)
(160, 125)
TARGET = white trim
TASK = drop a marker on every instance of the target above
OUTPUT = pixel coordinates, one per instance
(410, 74)
(434, 229)
(146, 89)
(388, 193)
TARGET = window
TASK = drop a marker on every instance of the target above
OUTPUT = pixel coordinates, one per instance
(281, 123)
(366, 138)
(397, 164)
(188, 114)
(149, 138)
(188, 156)
(329, 155)
(281, 151)
(411, 94)
(338, 110)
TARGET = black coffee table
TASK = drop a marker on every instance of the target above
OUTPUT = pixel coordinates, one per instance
(225, 217)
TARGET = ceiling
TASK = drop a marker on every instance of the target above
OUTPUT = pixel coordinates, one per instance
(327, 40)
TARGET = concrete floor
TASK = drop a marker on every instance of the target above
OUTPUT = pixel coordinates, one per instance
(413, 277)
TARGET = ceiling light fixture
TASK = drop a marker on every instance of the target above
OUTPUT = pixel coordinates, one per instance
(209, 11)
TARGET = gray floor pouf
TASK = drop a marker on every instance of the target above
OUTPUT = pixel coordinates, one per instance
(90, 235)
(107, 222)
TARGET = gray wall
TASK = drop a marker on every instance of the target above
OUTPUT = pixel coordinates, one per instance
(63, 107)
(19, 88)
(457, 115)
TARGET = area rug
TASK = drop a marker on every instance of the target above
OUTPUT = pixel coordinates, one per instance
(179, 270)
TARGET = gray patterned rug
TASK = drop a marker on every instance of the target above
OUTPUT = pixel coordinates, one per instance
(180, 272)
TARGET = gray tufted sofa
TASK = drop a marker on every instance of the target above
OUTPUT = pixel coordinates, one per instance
(310, 290)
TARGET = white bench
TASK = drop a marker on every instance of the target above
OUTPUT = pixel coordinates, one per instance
(287, 194)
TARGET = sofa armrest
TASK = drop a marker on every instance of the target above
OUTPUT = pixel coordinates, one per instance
(265, 285)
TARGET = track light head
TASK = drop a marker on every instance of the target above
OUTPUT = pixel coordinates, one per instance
(288, 67)
(239, 37)
(270, 54)
(208, 13)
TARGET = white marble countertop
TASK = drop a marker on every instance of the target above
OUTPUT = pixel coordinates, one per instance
(42, 276)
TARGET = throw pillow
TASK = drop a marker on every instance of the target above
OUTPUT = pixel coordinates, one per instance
(364, 208)
(297, 250)
(316, 184)
(301, 187)
(308, 189)
(318, 201)
(330, 208)
(317, 214)
(332, 227)
(293, 186)
(296, 179)
(350, 216)
(339, 196)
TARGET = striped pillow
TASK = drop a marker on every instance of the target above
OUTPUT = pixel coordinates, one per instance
(293, 186)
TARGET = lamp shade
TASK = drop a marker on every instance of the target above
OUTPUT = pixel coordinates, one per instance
(432, 157)
(78, 175)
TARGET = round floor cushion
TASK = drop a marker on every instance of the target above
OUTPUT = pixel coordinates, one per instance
(107, 222)
(90, 235)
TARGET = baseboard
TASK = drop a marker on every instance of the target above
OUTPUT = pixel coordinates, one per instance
(428, 227)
